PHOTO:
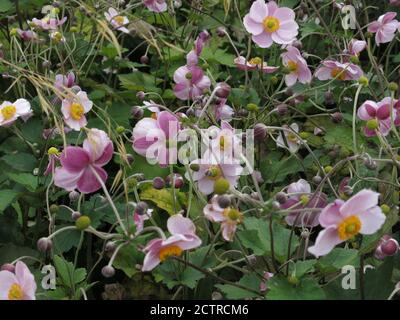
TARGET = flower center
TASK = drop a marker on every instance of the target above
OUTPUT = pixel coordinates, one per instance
(213, 173)
(15, 292)
(271, 24)
(292, 66)
(8, 112)
(349, 227)
(257, 61)
(291, 137)
(171, 251)
(189, 76)
(338, 73)
(77, 111)
(233, 215)
(119, 20)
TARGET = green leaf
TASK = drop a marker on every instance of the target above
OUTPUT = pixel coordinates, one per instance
(6, 198)
(127, 259)
(9, 252)
(336, 259)
(300, 268)
(277, 171)
(163, 199)
(27, 180)
(139, 81)
(65, 271)
(5, 5)
(281, 289)
(250, 281)
(21, 161)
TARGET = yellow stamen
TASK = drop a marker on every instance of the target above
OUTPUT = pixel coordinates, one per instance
(271, 24)
(233, 215)
(171, 251)
(214, 172)
(349, 227)
(291, 137)
(8, 112)
(292, 66)
(77, 111)
(15, 292)
(338, 73)
(119, 20)
(153, 115)
(256, 61)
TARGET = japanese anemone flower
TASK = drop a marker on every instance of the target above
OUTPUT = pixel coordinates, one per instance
(254, 64)
(116, 20)
(332, 69)
(190, 82)
(344, 220)
(183, 237)
(268, 24)
(156, 5)
(11, 111)
(297, 67)
(20, 285)
(74, 109)
(384, 28)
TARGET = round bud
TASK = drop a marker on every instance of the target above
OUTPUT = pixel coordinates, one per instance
(177, 178)
(44, 244)
(223, 90)
(158, 183)
(282, 109)
(216, 296)
(140, 95)
(130, 158)
(347, 190)
(53, 151)
(177, 4)
(8, 267)
(243, 113)
(385, 208)
(46, 64)
(293, 280)
(221, 186)
(305, 234)
(75, 215)
(137, 113)
(73, 196)
(224, 201)
(370, 164)
(260, 132)
(393, 86)
(110, 247)
(372, 124)
(13, 32)
(337, 117)
(108, 271)
(221, 32)
(74, 29)
(275, 205)
(120, 129)
(281, 197)
(252, 107)
(390, 247)
(54, 208)
(297, 44)
(144, 59)
(141, 208)
(363, 81)
(252, 260)
(195, 167)
(317, 179)
(328, 169)
(329, 98)
(82, 223)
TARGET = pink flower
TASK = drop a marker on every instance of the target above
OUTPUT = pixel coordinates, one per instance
(223, 111)
(384, 28)
(300, 197)
(356, 46)
(74, 109)
(139, 219)
(156, 139)
(183, 237)
(229, 218)
(291, 142)
(47, 23)
(20, 285)
(28, 35)
(268, 23)
(116, 20)
(66, 81)
(264, 284)
(253, 64)
(395, 3)
(78, 163)
(11, 111)
(344, 220)
(156, 5)
(332, 69)
(297, 65)
(190, 82)
(200, 41)
(387, 246)
(377, 115)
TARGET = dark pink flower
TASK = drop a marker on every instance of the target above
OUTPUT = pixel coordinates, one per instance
(190, 82)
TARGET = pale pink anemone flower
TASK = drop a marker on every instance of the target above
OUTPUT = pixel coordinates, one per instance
(116, 20)
(47, 23)
(11, 111)
(344, 220)
(380, 113)
(387, 246)
(228, 218)
(63, 82)
(156, 137)
(191, 82)
(268, 23)
(74, 109)
(356, 47)
(183, 237)
(28, 35)
(297, 66)
(140, 219)
(291, 141)
(264, 283)
(255, 63)
(192, 58)
(301, 197)
(223, 144)
(211, 169)
(78, 164)
(156, 5)
(222, 111)
(384, 28)
(332, 69)
(20, 285)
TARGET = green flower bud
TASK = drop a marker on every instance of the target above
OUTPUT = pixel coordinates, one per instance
(221, 186)
(82, 223)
